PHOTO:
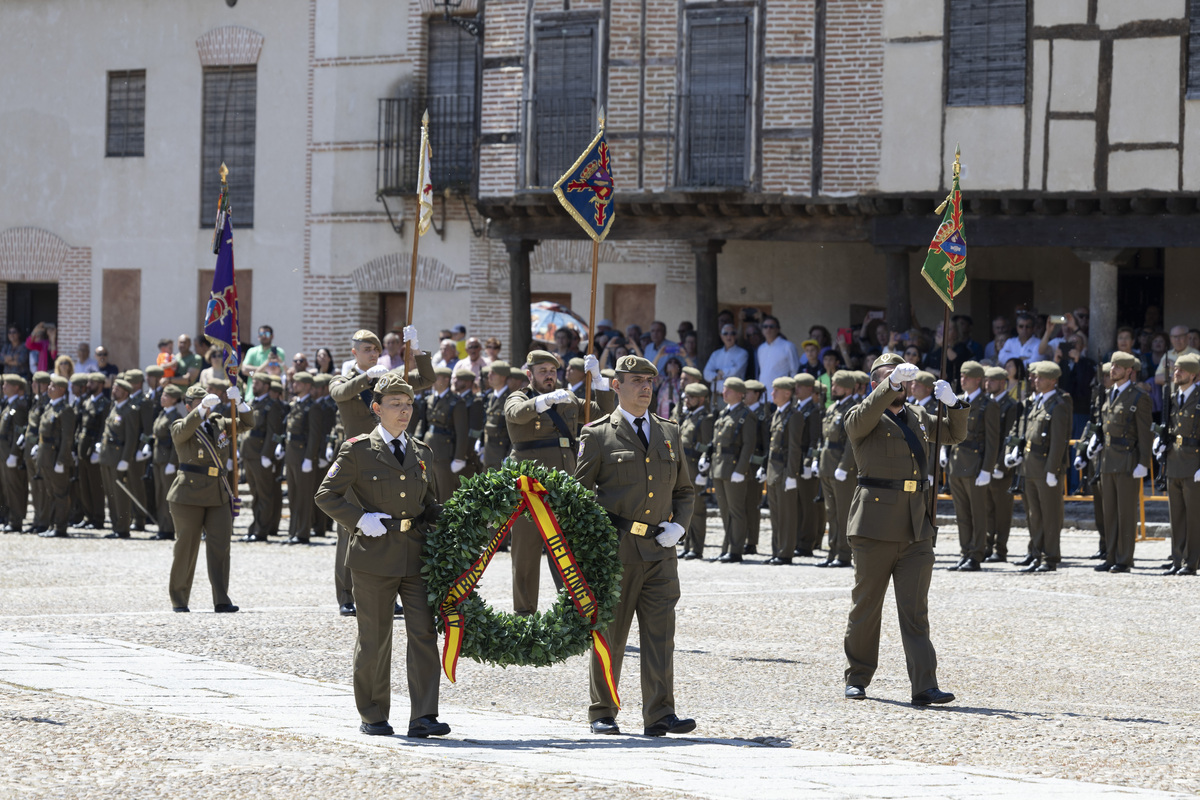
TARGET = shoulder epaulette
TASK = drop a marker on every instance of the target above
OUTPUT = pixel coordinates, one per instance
(354, 439)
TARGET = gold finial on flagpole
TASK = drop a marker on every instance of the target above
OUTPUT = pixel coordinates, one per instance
(601, 118)
(425, 119)
(224, 172)
(957, 156)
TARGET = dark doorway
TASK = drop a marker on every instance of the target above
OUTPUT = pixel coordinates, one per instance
(1004, 299)
(31, 303)
(1140, 286)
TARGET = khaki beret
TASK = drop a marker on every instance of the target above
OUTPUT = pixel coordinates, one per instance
(845, 378)
(972, 369)
(366, 336)
(804, 379)
(737, 384)
(1123, 359)
(500, 368)
(1104, 368)
(784, 382)
(154, 370)
(861, 376)
(576, 363)
(264, 377)
(1045, 369)
(173, 390)
(926, 379)
(694, 373)
(20, 381)
(393, 383)
(11, 377)
(536, 357)
(41, 375)
(995, 374)
(322, 379)
(303, 377)
(79, 378)
(696, 390)
(463, 373)
(216, 384)
(635, 365)
(276, 384)
(59, 380)
(196, 391)
(134, 375)
(98, 377)
(888, 360)
(443, 372)
(1189, 362)
(608, 373)
(124, 384)
(755, 386)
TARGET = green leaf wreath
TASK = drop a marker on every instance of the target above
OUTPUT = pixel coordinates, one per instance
(477, 509)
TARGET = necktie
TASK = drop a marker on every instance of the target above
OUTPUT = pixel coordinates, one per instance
(1113, 399)
(398, 449)
(641, 433)
(1179, 402)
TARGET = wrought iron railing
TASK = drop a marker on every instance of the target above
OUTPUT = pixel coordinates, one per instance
(558, 128)
(453, 142)
(712, 140)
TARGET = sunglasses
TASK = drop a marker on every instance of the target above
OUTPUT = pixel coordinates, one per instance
(768, 326)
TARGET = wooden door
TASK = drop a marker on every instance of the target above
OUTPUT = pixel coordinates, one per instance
(631, 303)
(247, 335)
(120, 325)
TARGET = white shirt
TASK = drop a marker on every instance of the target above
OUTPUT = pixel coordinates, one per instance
(1027, 352)
(1046, 397)
(1184, 394)
(1118, 389)
(388, 438)
(87, 366)
(630, 419)
(777, 359)
(802, 403)
(731, 361)
(971, 397)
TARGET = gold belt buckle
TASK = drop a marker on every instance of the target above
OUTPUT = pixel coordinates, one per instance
(1028, 447)
(638, 529)
(213, 472)
(1179, 440)
(405, 525)
(564, 441)
(910, 486)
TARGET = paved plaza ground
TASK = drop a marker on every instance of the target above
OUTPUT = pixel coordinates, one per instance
(1065, 677)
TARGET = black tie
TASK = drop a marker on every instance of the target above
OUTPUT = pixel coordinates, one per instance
(398, 449)
(641, 433)
(1114, 396)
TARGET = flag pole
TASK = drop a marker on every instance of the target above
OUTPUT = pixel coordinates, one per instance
(409, 355)
(587, 386)
(937, 436)
(235, 501)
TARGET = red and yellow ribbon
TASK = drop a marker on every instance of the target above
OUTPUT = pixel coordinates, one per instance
(532, 500)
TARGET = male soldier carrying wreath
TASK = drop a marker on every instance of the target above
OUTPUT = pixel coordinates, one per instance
(633, 460)
(890, 531)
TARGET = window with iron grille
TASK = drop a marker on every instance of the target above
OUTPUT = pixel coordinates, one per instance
(562, 111)
(987, 53)
(228, 120)
(125, 133)
(452, 92)
(714, 110)
(1193, 68)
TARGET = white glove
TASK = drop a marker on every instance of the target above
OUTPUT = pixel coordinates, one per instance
(840, 474)
(807, 473)
(33, 451)
(1051, 479)
(479, 447)
(552, 399)
(59, 469)
(144, 453)
(371, 523)
(229, 465)
(322, 462)
(122, 465)
(1196, 477)
(737, 477)
(903, 373)
(944, 456)
(761, 475)
(96, 449)
(210, 401)
(1094, 447)
(21, 441)
(234, 394)
(984, 478)
(329, 452)
(1013, 458)
(944, 394)
(592, 365)
(377, 371)
(997, 473)
(169, 469)
(1078, 462)
(702, 464)
(703, 481)
(1140, 471)
(789, 484)
(11, 461)
(456, 466)
(410, 337)
(672, 533)
(95, 459)
(279, 451)
(306, 465)
(265, 461)
(1158, 447)
(929, 479)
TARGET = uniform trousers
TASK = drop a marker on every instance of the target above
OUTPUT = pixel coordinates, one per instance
(57, 486)
(137, 469)
(649, 589)
(838, 497)
(970, 510)
(753, 500)
(343, 580)
(39, 494)
(91, 491)
(119, 504)
(374, 599)
(810, 515)
(909, 566)
(999, 514)
(1120, 493)
(731, 503)
(693, 542)
(784, 509)
(1044, 508)
(263, 487)
(216, 523)
(302, 486)
(162, 484)
(525, 550)
(1183, 497)
(16, 493)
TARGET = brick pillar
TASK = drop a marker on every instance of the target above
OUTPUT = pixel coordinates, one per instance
(518, 280)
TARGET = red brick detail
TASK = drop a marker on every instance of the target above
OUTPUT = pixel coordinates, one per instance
(231, 45)
(33, 255)
(853, 96)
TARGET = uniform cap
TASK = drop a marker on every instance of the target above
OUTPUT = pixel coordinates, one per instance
(576, 363)
(755, 386)
(303, 377)
(693, 373)
(1045, 369)
(41, 375)
(59, 380)
(443, 372)
(927, 379)
(804, 379)
(972, 369)
(322, 379)
(501, 368)
(1189, 362)
(80, 378)
(463, 370)
(366, 336)
(861, 376)
(173, 390)
(1123, 359)
(124, 384)
(888, 360)
(737, 384)
(134, 375)
(536, 357)
(784, 382)
(276, 384)
(845, 379)
(635, 365)
(393, 383)
(995, 373)
(265, 377)
(696, 390)
(608, 373)
(1104, 368)
(196, 391)
(155, 370)
(218, 384)
(98, 377)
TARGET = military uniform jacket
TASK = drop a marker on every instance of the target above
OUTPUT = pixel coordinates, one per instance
(762, 439)
(122, 428)
(650, 485)
(882, 451)
(366, 477)
(1183, 449)
(268, 422)
(476, 414)
(322, 418)
(735, 433)
(445, 427)
(786, 452)
(695, 434)
(298, 425)
(978, 451)
(1047, 436)
(91, 424)
(526, 426)
(12, 424)
(56, 435)
(353, 393)
(811, 418)
(496, 444)
(34, 425)
(148, 408)
(835, 448)
(199, 481)
(164, 447)
(1126, 431)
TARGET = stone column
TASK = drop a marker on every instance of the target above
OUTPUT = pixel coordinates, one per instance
(1102, 298)
(518, 280)
(709, 338)
(899, 292)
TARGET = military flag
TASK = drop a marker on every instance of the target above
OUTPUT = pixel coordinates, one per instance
(586, 190)
(946, 262)
(221, 315)
(424, 182)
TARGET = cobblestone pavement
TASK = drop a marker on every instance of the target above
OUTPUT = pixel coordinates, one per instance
(1073, 675)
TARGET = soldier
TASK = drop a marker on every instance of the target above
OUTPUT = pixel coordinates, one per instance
(785, 461)
(734, 434)
(444, 430)
(12, 429)
(920, 390)
(145, 413)
(1099, 394)
(890, 529)
(761, 411)
(810, 519)
(5, 451)
(696, 434)
(300, 458)
(165, 460)
(38, 486)
(322, 425)
(999, 499)
(94, 412)
(496, 444)
(75, 397)
(256, 455)
(201, 498)
(380, 488)
(464, 383)
(543, 422)
(575, 376)
(55, 443)
(151, 408)
(1124, 461)
(117, 446)
(837, 468)
(1183, 467)
(970, 463)
(649, 527)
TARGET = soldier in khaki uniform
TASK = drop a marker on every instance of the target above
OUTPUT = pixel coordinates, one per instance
(145, 413)
(323, 420)
(696, 434)
(200, 495)
(543, 422)
(300, 459)
(633, 460)
(890, 531)
(116, 447)
(970, 464)
(999, 500)
(762, 411)
(380, 486)
(14, 473)
(256, 449)
(810, 515)
(38, 487)
(75, 397)
(464, 387)
(91, 430)
(495, 443)
(1124, 461)
(734, 434)
(166, 462)
(1183, 467)
(1044, 465)
(55, 451)
(838, 468)
(444, 430)
(781, 474)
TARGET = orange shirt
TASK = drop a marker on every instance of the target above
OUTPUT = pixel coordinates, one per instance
(165, 358)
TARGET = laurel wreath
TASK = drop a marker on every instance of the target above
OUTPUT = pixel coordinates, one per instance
(477, 509)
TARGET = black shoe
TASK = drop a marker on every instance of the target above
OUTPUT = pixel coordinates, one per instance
(181, 609)
(803, 553)
(225, 608)
(1099, 554)
(931, 697)
(837, 562)
(249, 537)
(956, 567)
(1186, 571)
(996, 558)
(1047, 567)
(346, 609)
(670, 724)
(376, 728)
(1105, 567)
(1026, 561)
(1171, 569)
(856, 692)
(1118, 568)
(117, 535)
(399, 612)
(53, 534)
(970, 565)
(427, 726)
(750, 550)
(689, 555)
(730, 558)
(1031, 568)
(164, 537)
(1169, 565)
(297, 540)
(823, 564)
(606, 725)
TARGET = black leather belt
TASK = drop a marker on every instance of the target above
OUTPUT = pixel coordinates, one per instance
(541, 443)
(899, 486)
(397, 524)
(297, 438)
(1187, 441)
(212, 472)
(1119, 441)
(635, 527)
(691, 452)
(259, 434)
(835, 446)
(440, 431)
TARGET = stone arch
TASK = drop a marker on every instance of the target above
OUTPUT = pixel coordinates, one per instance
(35, 255)
(390, 273)
(569, 256)
(232, 45)
(31, 254)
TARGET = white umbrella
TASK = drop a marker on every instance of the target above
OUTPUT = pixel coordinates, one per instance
(547, 317)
